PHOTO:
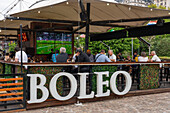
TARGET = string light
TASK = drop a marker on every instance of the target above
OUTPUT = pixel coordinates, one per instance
(151, 9)
(108, 4)
(129, 8)
(67, 3)
(0, 30)
(39, 11)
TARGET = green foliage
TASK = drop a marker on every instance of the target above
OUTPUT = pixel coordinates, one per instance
(158, 43)
(152, 6)
(162, 48)
(12, 46)
(117, 45)
(161, 7)
(111, 70)
(155, 6)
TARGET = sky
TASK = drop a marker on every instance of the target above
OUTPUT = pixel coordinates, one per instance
(6, 5)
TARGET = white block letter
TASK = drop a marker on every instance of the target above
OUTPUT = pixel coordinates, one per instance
(100, 84)
(53, 88)
(34, 87)
(83, 94)
(113, 83)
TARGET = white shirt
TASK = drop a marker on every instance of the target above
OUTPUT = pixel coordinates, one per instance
(24, 56)
(113, 57)
(142, 59)
(156, 58)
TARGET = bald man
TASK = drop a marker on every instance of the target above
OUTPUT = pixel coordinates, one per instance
(155, 58)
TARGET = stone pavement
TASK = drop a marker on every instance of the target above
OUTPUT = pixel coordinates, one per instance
(155, 103)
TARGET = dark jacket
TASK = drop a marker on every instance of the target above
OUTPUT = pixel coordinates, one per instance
(63, 57)
(83, 57)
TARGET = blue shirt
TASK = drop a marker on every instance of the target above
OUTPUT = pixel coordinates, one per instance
(54, 57)
(102, 58)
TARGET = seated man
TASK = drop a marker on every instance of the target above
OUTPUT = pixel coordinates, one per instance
(155, 58)
(63, 57)
(112, 57)
(143, 57)
(101, 57)
(18, 55)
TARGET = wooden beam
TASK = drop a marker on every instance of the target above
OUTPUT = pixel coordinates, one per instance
(12, 84)
(10, 94)
(10, 99)
(11, 89)
(109, 25)
(10, 79)
(46, 20)
(129, 20)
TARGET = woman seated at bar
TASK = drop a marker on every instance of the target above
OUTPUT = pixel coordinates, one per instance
(143, 57)
(63, 57)
(54, 56)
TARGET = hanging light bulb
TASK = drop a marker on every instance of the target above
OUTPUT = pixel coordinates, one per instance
(0, 30)
(39, 11)
(108, 4)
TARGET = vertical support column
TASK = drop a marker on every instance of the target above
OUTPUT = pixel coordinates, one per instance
(21, 45)
(87, 27)
(132, 48)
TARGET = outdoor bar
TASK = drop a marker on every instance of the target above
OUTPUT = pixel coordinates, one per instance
(43, 83)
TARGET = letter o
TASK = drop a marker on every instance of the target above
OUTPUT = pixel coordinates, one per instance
(113, 83)
(53, 88)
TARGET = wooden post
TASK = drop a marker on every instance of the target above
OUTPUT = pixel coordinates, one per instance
(21, 45)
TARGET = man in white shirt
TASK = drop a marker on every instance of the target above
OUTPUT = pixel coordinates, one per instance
(155, 58)
(18, 56)
(112, 57)
(143, 57)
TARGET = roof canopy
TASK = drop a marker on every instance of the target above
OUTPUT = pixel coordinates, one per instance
(101, 14)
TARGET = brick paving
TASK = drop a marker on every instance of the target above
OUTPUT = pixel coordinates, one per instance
(155, 103)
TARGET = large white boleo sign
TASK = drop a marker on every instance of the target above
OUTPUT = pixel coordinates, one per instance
(53, 90)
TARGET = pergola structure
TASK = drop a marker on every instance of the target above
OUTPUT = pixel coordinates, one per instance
(88, 16)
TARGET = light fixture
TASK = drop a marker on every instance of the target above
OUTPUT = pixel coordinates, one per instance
(169, 13)
(67, 3)
(129, 8)
(39, 11)
(11, 19)
(108, 4)
(151, 9)
(0, 30)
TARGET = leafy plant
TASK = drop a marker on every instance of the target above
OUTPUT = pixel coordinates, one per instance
(12, 46)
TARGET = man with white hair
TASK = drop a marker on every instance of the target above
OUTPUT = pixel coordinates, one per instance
(63, 56)
(112, 57)
(155, 58)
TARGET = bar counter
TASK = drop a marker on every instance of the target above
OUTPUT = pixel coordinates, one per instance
(144, 75)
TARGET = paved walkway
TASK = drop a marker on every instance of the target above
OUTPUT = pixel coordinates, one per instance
(156, 103)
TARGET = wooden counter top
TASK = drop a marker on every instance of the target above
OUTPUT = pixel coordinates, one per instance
(82, 63)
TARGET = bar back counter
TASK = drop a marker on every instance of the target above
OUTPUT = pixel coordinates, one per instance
(49, 84)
